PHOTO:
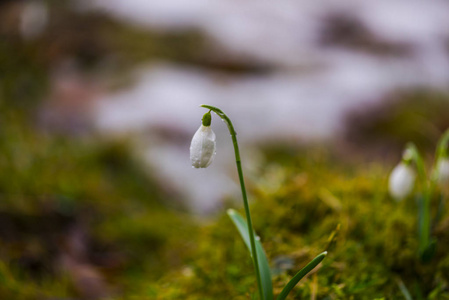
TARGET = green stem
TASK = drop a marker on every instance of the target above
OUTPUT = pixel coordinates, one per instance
(424, 207)
(225, 118)
(442, 148)
(441, 152)
(411, 152)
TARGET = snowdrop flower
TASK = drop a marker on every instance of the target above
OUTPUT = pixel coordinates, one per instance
(442, 172)
(401, 181)
(202, 148)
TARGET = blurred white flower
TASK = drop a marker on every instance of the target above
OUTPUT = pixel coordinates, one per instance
(401, 181)
(443, 173)
(202, 148)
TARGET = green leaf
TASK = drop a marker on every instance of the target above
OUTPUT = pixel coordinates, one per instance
(264, 267)
(303, 272)
(404, 289)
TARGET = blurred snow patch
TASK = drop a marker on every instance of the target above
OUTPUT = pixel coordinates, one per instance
(287, 32)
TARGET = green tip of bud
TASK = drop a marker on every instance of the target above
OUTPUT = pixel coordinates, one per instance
(207, 119)
(230, 211)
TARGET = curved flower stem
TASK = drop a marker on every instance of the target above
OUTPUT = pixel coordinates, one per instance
(412, 153)
(225, 118)
(442, 152)
(442, 148)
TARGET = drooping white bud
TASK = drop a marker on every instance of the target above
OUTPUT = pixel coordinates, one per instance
(442, 173)
(202, 148)
(401, 181)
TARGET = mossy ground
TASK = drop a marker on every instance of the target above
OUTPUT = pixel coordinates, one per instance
(298, 202)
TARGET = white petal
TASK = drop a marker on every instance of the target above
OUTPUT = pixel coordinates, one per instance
(202, 148)
(401, 181)
(443, 173)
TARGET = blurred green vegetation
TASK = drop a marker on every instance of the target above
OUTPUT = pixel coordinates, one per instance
(70, 204)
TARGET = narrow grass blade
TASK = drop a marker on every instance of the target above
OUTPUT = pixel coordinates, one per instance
(264, 267)
(303, 272)
(404, 289)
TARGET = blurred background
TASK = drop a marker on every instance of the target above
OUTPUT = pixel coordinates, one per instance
(99, 101)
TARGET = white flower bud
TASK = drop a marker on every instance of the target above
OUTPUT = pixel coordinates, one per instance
(202, 148)
(442, 173)
(401, 181)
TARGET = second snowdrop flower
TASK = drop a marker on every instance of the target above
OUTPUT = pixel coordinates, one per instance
(203, 146)
(443, 173)
(402, 180)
